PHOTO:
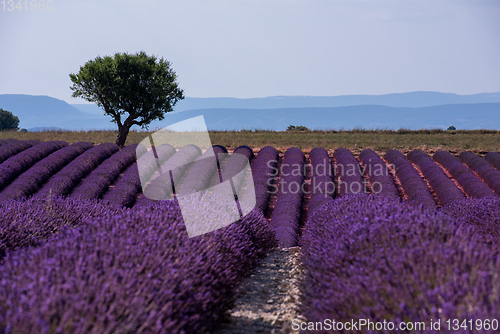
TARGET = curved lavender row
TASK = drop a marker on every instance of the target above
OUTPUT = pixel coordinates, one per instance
(348, 169)
(493, 158)
(148, 162)
(378, 173)
(14, 166)
(124, 192)
(286, 214)
(173, 170)
(235, 164)
(481, 167)
(446, 191)
(31, 180)
(200, 177)
(237, 170)
(263, 172)
(67, 178)
(141, 260)
(25, 223)
(98, 181)
(361, 255)
(322, 185)
(202, 172)
(11, 148)
(471, 184)
(482, 213)
(415, 188)
(6, 141)
(141, 150)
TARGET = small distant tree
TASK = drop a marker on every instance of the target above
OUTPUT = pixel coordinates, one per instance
(8, 121)
(451, 127)
(139, 87)
(297, 128)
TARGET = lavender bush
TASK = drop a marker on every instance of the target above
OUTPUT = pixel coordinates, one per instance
(347, 170)
(123, 193)
(236, 163)
(129, 273)
(263, 170)
(481, 167)
(148, 161)
(98, 181)
(381, 181)
(31, 180)
(470, 183)
(484, 214)
(13, 147)
(322, 185)
(203, 172)
(17, 164)
(369, 257)
(30, 222)
(414, 187)
(493, 158)
(163, 186)
(446, 191)
(70, 176)
(286, 214)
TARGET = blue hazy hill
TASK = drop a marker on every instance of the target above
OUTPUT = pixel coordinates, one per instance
(40, 111)
(462, 116)
(46, 112)
(410, 100)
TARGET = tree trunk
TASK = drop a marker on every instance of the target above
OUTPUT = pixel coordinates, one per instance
(122, 135)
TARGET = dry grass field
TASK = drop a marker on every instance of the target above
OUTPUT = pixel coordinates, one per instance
(478, 141)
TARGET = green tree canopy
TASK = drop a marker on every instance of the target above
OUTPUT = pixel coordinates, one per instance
(8, 121)
(139, 87)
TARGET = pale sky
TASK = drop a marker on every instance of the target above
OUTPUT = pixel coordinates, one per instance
(259, 48)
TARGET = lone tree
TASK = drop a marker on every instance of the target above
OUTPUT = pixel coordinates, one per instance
(8, 121)
(139, 87)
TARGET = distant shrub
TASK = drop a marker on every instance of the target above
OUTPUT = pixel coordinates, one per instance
(297, 128)
(451, 128)
(8, 121)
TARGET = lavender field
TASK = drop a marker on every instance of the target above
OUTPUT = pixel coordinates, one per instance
(386, 236)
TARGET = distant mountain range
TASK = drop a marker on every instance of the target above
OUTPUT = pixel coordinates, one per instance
(402, 100)
(414, 110)
(462, 116)
(409, 100)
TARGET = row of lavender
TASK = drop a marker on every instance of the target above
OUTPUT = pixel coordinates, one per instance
(19, 163)
(50, 171)
(127, 187)
(415, 189)
(127, 271)
(463, 175)
(286, 215)
(61, 173)
(322, 185)
(287, 210)
(483, 169)
(59, 316)
(31, 180)
(371, 257)
(116, 252)
(11, 148)
(262, 172)
(19, 231)
(64, 181)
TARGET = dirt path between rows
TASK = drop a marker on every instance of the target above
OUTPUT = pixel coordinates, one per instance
(267, 300)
